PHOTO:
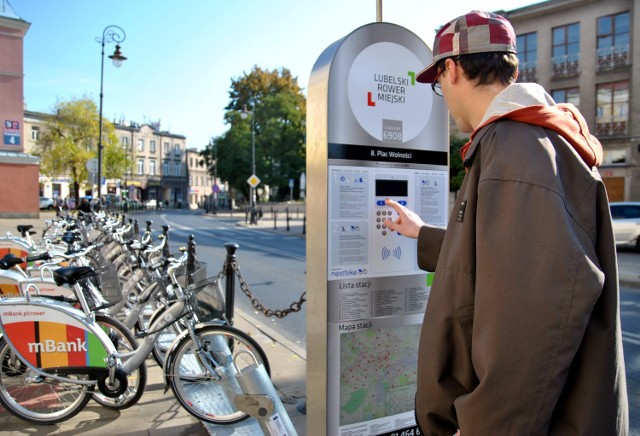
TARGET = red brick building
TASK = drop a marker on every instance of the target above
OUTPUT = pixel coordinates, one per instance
(18, 171)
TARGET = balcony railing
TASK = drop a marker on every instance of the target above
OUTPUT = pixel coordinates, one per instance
(528, 72)
(566, 65)
(610, 127)
(608, 58)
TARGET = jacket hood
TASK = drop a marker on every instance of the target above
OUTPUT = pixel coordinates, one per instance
(529, 103)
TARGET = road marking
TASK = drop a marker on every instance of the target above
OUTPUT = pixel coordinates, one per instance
(632, 338)
(244, 243)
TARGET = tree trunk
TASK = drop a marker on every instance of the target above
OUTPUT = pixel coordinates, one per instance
(76, 187)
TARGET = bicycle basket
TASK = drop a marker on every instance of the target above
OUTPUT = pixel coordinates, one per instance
(200, 272)
(198, 275)
(207, 299)
(108, 286)
(84, 234)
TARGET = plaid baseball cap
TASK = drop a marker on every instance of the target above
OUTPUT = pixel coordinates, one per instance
(475, 32)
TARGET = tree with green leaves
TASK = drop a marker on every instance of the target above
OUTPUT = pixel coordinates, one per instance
(271, 105)
(456, 167)
(69, 138)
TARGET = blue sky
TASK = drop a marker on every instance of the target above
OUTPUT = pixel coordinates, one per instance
(182, 55)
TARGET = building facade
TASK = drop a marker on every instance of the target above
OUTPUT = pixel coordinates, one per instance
(158, 171)
(587, 52)
(200, 182)
(18, 170)
(51, 187)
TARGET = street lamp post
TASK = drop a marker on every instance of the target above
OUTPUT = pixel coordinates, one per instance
(252, 209)
(215, 183)
(109, 34)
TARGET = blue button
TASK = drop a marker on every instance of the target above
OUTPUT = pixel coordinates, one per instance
(380, 203)
(402, 202)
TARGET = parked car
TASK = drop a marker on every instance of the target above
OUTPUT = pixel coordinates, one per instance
(152, 204)
(46, 203)
(626, 223)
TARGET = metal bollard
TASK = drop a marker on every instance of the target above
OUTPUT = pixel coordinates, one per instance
(275, 216)
(260, 400)
(288, 218)
(230, 276)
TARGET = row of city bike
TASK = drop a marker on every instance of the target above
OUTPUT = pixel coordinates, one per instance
(84, 305)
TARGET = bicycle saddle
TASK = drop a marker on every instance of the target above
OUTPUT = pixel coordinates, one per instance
(70, 237)
(10, 260)
(71, 274)
(22, 228)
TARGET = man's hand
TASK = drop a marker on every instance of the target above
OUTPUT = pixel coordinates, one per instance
(408, 223)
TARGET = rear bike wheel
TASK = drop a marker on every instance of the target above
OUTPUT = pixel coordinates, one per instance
(203, 375)
(40, 400)
(124, 342)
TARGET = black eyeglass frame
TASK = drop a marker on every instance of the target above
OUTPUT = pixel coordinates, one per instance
(435, 85)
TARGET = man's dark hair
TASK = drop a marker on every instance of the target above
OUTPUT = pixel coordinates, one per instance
(486, 68)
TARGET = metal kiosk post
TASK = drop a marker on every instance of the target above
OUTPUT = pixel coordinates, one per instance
(373, 132)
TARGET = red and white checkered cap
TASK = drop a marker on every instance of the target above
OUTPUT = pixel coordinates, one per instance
(475, 32)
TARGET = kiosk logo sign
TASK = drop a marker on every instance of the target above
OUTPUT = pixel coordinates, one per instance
(348, 272)
(383, 93)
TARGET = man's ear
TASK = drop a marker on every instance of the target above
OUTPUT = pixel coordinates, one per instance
(452, 70)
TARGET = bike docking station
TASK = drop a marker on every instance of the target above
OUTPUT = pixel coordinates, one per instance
(373, 133)
(261, 400)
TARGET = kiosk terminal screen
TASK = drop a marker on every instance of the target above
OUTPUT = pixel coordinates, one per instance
(391, 188)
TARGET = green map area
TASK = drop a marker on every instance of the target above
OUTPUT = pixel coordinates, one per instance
(377, 373)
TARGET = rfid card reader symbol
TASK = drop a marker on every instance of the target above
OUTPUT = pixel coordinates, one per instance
(396, 253)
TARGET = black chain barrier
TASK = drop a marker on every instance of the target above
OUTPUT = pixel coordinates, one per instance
(296, 306)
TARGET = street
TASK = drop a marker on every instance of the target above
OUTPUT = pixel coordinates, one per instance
(273, 265)
(630, 319)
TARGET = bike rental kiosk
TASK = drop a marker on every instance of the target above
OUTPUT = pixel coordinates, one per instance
(373, 132)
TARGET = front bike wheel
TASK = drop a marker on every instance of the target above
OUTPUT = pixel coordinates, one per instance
(124, 342)
(39, 400)
(203, 375)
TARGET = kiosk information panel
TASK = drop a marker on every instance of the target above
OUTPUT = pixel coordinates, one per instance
(373, 133)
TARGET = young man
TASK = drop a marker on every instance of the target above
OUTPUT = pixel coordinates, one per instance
(521, 334)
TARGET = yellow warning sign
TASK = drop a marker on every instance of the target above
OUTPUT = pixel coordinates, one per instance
(253, 181)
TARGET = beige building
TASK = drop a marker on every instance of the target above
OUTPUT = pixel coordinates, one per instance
(52, 187)
(583, 52)
(158, 169)
(200, 182)
(159, 164)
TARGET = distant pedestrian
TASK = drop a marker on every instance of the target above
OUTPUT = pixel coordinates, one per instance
(84, 206)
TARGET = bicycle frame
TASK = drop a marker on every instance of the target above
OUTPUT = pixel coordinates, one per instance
(133, 359)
